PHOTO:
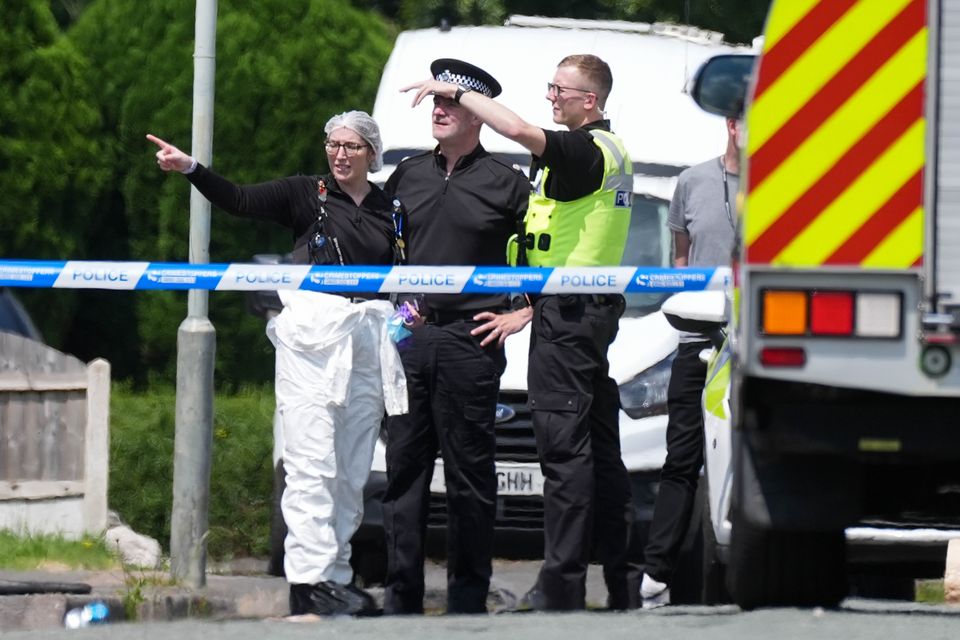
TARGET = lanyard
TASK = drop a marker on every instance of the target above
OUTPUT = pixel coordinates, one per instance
(399, 216)
(726, 193)
(321, 235)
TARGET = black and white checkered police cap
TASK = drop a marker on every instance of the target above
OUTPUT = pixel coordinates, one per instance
(465, 74)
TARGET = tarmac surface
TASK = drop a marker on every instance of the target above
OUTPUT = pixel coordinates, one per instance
(137, 595)
(238, 590)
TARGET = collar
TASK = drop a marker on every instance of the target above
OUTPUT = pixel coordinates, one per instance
(597, 124)
(464, 161)
(375, 199)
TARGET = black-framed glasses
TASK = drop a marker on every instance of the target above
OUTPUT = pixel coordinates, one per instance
(349, 148)
(558, 90)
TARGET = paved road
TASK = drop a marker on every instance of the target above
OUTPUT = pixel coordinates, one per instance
(857, 619)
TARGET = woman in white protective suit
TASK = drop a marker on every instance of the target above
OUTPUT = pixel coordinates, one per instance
(337, 370)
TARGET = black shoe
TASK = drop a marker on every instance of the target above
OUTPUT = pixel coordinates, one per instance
(369, 605)
(330, 599)
(532, 600)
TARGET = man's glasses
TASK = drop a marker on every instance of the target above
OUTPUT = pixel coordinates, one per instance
(558, 90)
(349, 148)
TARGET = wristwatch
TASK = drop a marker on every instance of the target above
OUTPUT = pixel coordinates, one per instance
(460, 91)
(519, 302)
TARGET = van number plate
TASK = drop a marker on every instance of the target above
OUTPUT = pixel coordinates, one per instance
(512, 480)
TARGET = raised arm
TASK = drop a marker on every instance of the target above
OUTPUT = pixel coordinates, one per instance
(492, 113)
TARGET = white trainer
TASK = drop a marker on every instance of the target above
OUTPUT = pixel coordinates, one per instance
(654, 594)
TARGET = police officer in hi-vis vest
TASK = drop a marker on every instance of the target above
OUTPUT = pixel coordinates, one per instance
(579, 215)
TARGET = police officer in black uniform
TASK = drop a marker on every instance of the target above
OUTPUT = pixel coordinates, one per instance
(462, 205)
(578, 215)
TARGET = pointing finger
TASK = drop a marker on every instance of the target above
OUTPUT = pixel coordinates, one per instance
(157, 141)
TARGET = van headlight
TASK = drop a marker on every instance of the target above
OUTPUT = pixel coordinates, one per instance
(646, 394)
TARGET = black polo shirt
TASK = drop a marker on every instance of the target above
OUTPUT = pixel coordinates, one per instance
(575, 161)
(365, 233)
(465, 218)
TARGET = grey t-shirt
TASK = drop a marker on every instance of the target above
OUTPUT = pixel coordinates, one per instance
(698, 210)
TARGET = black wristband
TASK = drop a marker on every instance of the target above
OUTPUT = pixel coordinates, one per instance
(460, 91)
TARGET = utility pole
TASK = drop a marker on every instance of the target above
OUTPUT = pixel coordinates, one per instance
(196, 341)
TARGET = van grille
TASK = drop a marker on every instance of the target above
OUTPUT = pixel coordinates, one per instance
(515, 440)
(513, 512)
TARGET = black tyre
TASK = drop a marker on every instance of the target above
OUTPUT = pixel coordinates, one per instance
(698, 577)
(785, 568)
(278, 528)
(686, 583)
(714, 584)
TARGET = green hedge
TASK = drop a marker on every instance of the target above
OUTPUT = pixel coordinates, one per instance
(141, 467)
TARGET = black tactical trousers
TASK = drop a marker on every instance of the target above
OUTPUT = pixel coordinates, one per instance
(575, 408)
(452, 384)
(681, 470)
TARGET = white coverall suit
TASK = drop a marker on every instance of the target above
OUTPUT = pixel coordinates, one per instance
(336, 372)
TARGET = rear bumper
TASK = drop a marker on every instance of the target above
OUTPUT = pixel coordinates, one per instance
(917, 552)
(784, 417)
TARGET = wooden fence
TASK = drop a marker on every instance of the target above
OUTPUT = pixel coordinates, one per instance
(54, 440)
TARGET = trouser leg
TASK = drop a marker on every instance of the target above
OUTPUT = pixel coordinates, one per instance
(613, 505)
(681, 470)
(310, 463)
(468, 380)
(357, 427)
(410, 454)
(568, 353)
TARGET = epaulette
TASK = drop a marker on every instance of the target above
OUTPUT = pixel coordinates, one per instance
(514, 167)
(428, 152)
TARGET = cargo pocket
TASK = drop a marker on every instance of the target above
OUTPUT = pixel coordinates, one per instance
(556, 425)
(554, 401)
(469, 420)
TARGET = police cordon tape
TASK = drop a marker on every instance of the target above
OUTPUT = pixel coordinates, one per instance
(147, 276)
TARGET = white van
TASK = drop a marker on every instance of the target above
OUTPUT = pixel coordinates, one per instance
(664, 132)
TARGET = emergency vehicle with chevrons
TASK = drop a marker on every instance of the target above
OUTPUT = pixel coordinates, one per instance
(843, 383)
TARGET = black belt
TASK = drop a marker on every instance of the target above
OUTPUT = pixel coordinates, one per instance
(606, 299)
(447, 316)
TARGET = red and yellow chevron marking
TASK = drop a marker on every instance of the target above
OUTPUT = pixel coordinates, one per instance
(836, 135)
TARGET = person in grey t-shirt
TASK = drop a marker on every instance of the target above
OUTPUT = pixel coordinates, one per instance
(702, 215)
(703, 211)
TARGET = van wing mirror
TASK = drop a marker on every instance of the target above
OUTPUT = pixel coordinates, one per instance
(720, 84)
(696, 311)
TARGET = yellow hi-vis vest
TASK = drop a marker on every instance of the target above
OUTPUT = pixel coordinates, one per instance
(590, 231)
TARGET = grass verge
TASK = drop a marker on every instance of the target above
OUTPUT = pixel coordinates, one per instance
(28, 552)
(241, 477)
(930, 591)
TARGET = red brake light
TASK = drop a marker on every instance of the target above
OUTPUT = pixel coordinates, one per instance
(831, 313)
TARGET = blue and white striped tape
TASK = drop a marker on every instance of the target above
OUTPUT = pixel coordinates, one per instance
(147, 276)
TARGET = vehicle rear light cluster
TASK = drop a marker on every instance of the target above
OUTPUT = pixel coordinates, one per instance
(783, 357)
(826, 313)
